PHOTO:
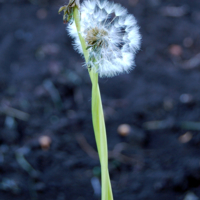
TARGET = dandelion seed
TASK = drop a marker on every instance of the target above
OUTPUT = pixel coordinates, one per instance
(112, 37)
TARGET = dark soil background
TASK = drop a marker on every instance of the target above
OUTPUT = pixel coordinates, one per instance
(47, 145)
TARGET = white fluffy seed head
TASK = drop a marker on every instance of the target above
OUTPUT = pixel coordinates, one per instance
(112, 37)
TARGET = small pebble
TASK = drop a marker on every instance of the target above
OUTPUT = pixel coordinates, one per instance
(185, 137)
(124, 130)
(45, 142)
(175, 50)
(186, 98)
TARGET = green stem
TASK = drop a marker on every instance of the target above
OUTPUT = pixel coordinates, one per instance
(97, 118)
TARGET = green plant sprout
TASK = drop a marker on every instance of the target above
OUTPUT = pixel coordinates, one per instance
(109, 38)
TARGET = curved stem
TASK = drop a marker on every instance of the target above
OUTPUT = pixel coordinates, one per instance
(97, 118)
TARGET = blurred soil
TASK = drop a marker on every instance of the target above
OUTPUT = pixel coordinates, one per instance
(47, 145)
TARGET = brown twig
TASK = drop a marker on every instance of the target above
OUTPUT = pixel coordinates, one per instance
(114, 154)
(86, 147)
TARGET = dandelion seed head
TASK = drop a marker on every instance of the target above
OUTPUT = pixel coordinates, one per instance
(119, 10)
(111, 35)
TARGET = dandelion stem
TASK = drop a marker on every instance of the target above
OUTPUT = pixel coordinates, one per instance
(97, 118)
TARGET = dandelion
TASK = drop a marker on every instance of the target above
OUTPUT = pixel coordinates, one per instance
(108, 38)
(111, 35)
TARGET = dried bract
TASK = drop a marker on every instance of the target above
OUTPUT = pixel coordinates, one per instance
(68, 10)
